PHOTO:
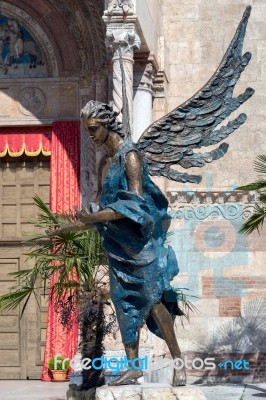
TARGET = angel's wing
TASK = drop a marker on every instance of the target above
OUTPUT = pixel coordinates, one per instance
(172, 139)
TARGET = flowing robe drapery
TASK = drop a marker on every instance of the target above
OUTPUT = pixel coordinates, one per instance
(141, 266)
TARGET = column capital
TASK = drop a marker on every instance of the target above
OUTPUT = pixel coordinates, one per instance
(123, 37)
(144, 75)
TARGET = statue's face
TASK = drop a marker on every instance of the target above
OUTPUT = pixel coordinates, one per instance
(96, 131)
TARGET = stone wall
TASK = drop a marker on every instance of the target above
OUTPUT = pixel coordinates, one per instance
(35, 101)
(225, 270)
(149, 14)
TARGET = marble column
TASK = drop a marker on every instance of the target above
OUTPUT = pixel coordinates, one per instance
(142, 105)
(122, 39)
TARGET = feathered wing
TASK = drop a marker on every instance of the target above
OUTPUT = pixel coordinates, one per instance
(172, 139)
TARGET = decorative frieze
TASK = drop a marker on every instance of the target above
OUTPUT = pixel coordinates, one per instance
(176, 198)
(228, 211)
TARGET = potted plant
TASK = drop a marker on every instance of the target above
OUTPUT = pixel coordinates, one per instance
(59, 368)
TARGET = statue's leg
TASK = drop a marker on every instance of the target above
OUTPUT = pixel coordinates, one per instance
(130, 376)
(164, 321)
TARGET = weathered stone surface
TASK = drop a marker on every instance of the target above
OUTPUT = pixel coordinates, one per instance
(74, 394)
(149, 392)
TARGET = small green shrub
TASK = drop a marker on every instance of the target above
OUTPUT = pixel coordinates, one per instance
(51, 364)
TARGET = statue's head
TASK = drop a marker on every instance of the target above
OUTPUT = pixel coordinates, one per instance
(100, 117)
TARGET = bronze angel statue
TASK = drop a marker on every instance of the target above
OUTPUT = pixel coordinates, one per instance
(132, 212)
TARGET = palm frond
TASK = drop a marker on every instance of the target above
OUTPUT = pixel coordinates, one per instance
(186, 303)
(258, 185)
(262, 197)
(260, 164)
(71, 260)
(255, 221)
(21, 273)
(15, 297)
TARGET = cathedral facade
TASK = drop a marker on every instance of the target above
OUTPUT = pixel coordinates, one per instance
(55, 55)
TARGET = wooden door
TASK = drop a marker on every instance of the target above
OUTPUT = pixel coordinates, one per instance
(21, 340)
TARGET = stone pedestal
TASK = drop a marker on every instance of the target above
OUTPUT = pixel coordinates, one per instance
(149, 392)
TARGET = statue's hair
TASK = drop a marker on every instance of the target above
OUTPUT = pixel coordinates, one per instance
(103, 114)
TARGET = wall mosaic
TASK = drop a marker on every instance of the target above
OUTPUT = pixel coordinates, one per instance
(206, 236)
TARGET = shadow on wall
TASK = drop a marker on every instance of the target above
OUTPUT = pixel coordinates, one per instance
(241, 338)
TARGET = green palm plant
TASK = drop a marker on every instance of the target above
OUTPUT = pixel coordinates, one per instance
(74, 258)
(70, 269)
(256, 220)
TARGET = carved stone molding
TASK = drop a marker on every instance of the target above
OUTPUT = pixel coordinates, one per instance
(123, 37)
(159, 85)
(89, 37)
(214, 211)
(120, 7)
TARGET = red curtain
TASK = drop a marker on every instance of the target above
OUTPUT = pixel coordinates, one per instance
(29, 140)
(64, 196)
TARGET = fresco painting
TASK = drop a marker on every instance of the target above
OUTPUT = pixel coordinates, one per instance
(20, 55)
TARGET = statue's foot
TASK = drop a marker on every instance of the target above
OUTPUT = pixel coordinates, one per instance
(127, 378)
(179, 378)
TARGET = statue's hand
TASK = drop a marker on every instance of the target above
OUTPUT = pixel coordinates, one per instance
(83, 215)
(53, 233)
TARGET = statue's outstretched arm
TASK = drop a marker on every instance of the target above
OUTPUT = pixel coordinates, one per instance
(100, 216)
(86, 221)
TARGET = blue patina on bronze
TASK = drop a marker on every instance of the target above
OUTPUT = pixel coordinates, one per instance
(141, 266)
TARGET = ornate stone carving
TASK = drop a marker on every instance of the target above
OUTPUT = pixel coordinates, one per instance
(214, 211)
(76, 19)
(122, 37)
(118, 7)
(159, 85)
(31, 101)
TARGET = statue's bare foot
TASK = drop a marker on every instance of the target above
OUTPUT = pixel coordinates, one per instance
(179, 378)
(127, 378)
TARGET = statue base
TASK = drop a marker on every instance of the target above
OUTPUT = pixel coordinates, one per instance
(149, 391)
